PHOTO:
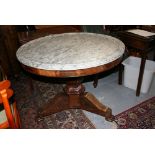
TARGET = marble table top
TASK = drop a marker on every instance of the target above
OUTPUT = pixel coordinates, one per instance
(70, 51)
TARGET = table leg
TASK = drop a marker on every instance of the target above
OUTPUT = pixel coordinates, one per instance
(75, 97)
(95, 83)
(120, 74)
(120, 71)
(90, 103)
(141, 72)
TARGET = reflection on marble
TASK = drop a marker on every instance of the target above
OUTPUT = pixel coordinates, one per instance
(70, 51)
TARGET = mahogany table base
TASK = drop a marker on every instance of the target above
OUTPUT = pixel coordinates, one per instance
(75, 97)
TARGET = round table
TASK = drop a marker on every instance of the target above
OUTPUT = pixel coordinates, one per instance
(73, 56)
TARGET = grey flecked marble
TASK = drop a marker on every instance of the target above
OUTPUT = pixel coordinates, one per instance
(70, 51)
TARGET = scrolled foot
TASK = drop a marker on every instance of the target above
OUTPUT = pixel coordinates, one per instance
(108, 115)
(110, 119)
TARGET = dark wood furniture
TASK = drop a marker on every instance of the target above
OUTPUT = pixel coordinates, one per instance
(44, 30)
(8, 47)
(74, 96)
(138, 46)
(63, 56)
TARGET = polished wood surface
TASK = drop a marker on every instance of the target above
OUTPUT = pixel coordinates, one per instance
(6, 93)
(72, 73)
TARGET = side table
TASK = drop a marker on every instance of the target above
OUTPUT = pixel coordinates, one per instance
(141, 42)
